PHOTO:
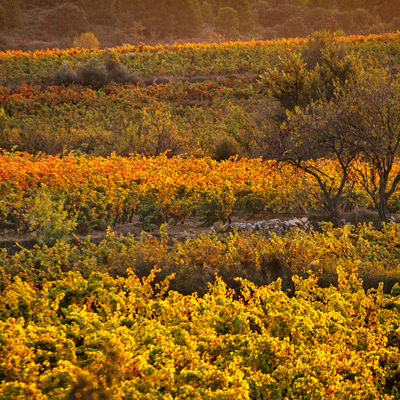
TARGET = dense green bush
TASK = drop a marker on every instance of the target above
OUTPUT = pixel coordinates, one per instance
(227, 23)
(49, 219)
(225, 148)
(65, 75)
(94, 73)
(207, 12)
(87, 41)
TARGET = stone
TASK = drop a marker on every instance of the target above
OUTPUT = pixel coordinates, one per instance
(273, 226)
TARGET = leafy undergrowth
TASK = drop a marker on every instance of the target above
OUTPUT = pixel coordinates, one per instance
(130, 319)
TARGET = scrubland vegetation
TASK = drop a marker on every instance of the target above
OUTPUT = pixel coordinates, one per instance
(155, 135)
(41, 24)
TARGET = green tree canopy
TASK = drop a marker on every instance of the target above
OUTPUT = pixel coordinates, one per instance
(227, 22)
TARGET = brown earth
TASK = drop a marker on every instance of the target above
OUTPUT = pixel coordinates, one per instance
(191, 227)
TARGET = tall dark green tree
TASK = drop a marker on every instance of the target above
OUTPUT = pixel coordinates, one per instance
(157, 16)
(246, 15)
(207, 12)
(187, 18)
(227, 22)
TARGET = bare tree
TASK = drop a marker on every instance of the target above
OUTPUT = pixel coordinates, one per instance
(373, 121)
(318, 132)
(356, 124)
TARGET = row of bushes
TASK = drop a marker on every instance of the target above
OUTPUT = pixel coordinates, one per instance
(194, 59)
(100, 191)
(196, 262)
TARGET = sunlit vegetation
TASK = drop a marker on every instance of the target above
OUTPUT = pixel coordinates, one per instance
(78, 322)
(153, 136)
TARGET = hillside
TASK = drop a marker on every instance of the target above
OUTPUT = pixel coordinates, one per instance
(119, 168)
(42, 24)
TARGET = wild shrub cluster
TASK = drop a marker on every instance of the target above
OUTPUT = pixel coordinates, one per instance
(94, 73)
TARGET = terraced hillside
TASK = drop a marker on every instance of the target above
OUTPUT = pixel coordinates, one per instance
(117, 164)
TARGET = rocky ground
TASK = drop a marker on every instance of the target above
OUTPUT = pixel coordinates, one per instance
(181, 231)
(263, 223)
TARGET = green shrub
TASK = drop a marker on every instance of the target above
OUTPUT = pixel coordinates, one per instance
(249, 203)
(227, 23)
(94, 73)
(87, 41)
(116, 71)
(150, 216)
(49, 219)
(187, 19)
(65, 75)
(207, 13)
(214, 206)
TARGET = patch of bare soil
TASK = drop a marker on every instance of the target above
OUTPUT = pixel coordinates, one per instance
(191, 227)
